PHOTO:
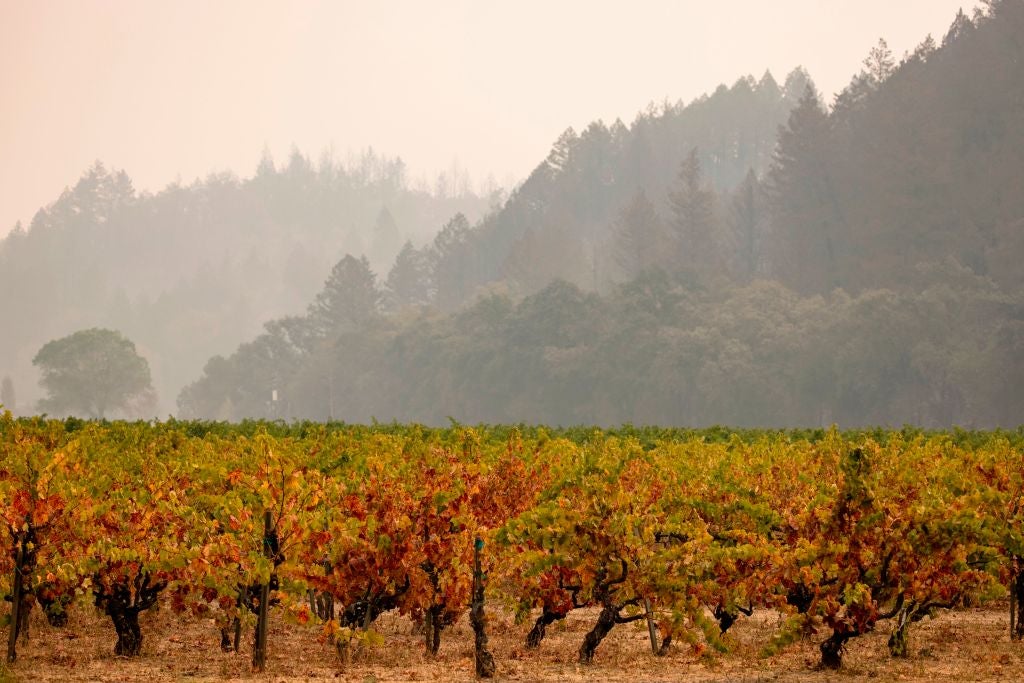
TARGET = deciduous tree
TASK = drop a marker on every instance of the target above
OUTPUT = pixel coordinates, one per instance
(92, 372)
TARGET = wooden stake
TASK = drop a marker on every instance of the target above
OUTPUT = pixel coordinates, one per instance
(12, 638)
(484, 659)
(259, 652)
(1013, 609)
(652, 630)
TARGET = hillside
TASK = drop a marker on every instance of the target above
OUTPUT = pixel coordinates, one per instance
(916, 163)
(193, 270)
(679, 271)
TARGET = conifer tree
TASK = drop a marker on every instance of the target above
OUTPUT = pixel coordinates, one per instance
(693, 227)
(349, 299)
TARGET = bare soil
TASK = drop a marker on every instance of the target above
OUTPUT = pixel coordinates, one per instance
(966, 645)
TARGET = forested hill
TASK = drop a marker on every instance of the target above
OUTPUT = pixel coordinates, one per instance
(861, 267)
(561, 222)
(917, 163)
(193, 270)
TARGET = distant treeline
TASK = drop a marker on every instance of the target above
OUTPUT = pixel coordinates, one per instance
(757, 256)
(194, 269)
(862, 266)
(654, 352)
(647, 436)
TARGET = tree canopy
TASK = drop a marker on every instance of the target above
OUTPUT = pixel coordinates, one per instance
(92, 373)
(857, 262)
(198, 267)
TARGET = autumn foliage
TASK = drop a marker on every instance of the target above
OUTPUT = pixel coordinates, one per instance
(336, 525)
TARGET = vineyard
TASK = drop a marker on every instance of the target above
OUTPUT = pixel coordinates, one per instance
(340, 530)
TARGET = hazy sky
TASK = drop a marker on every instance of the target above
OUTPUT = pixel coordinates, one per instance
(180, 88)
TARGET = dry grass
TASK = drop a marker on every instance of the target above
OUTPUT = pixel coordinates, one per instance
(970, 645)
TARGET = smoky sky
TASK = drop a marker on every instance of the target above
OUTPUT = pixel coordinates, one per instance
(175, 90)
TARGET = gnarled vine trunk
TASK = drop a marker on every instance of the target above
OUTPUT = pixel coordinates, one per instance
(432, 626)
(484, 660)
(832, 650)
(129, 633)
(123, 603)
(605, 623)
(1017, 602)
(899, 639)
(536, 634)
(604, 593)
(24, 551)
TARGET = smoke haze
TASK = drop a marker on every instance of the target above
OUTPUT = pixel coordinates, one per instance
(170, 90)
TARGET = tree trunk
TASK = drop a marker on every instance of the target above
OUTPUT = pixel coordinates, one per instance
(725, 618)
(122, 603)
(225, 639)
(832, 650)
(27, 600)
(536, 634)
(484, 660)
(1017, 601)
(604, 625)
(259, 649)
(432, 629)
(16, 601)
(237, 642)
(899, 641)
(1013, 614)
(129, 634)
(428, 629)
(369, 616)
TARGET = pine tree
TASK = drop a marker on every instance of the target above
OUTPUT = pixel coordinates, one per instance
(561, 152)
(746, 223)
(797, 82)
(693, 228)
(804, 209)
(409, 282)
(961, 26)
(349, 299)
(639, 238)
(450, 263)
(879, 64)
(386, 237)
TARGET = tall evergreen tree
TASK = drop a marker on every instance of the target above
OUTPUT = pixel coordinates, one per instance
(385, 238)
(804, 206)
(409, 282)
(960, 27)
(694, 226)
(561, 152)
(795, 87)
(640, 240)
(746, 225)
(879, 64)
(451, 263)
(349, 299)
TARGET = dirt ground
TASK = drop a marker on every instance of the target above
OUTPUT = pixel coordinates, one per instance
(970, 645)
